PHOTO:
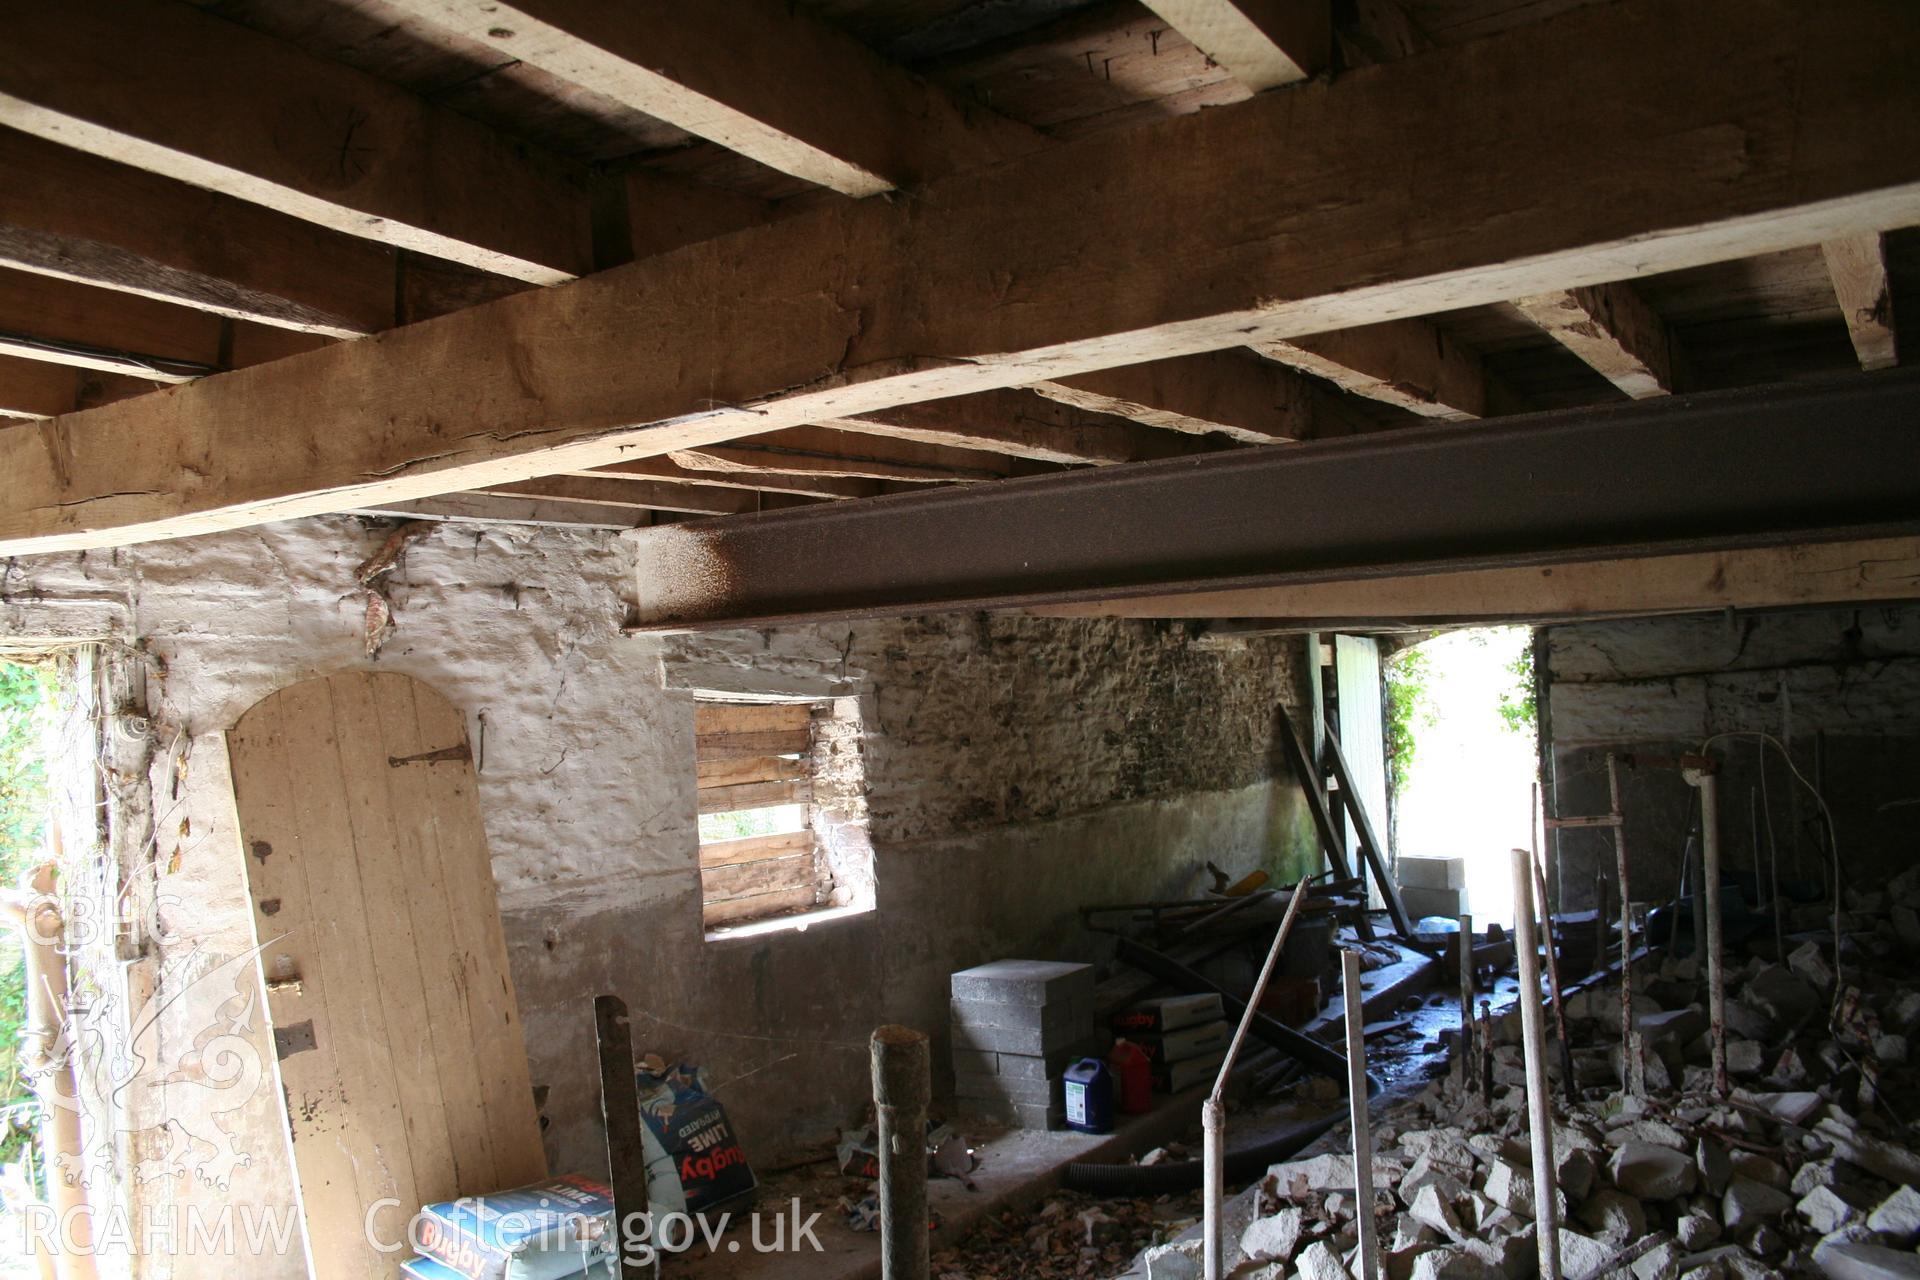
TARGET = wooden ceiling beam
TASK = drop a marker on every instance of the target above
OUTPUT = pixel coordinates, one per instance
(1611, 328)
(1055, 265)
(616, 491)
(1858, 268)
(1248, 400)
(760, 77)
(1020, 424)
(179, 93)
(1264, 43)
(1410, 364)
(67, 214)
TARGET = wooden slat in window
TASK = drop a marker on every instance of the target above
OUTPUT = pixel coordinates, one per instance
(755, 795)
(773, 742)
(758, 907)
(718, 717)
(747, 879)
(725, 853)
(731, 771)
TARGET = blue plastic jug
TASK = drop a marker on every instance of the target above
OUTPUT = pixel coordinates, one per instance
(1089, 1090)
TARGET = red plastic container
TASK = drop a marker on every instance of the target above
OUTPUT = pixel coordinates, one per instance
(1132, 1076)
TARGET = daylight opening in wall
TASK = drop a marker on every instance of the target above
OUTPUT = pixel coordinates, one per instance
(1463, 753)
(782, 800)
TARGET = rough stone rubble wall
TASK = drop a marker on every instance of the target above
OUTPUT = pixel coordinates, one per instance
(1840, 688)
(1013, 769)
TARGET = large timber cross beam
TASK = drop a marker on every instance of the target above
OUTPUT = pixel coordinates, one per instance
(1571, 152)
(1678, 476)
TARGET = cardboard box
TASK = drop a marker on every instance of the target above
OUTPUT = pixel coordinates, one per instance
(1185, 1074)
(1169, 1013)
(1188, 1042)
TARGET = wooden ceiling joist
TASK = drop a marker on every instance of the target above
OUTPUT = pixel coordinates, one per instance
(1506, 152)
(1227, 392)
(1410, 364)
(1264, 43)
(1020, 424)
(67, 214)
(1858, 267)
(822, 451)
(666, 469)
(486, 509)
(615, 491)
(43, 318)
(37, 389)
(1610, 327)
(164, 88)
(760, 77)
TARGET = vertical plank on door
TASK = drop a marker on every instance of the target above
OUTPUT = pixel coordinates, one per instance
(370, 877)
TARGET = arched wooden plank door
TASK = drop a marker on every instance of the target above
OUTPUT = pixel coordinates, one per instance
(401, 1059)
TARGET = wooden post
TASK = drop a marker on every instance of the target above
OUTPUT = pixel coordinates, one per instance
(1466, 1001)
(902, 1088)
(1634, 1067)
(1709, 783)
(1357, 1109)
(1533, 1032)
(620, 1112)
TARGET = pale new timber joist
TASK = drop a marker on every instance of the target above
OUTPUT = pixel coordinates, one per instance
(758, 77)
(183, 94)
(1406, 363)
(1264, 43)
(1507, 152)
(1858, 268)
(1611, 328)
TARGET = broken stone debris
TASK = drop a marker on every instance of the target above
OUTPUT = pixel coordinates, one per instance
(1801, 1170)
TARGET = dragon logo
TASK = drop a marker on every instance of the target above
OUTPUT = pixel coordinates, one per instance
(192, 1038)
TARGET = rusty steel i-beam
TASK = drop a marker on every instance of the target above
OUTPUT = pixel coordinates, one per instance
(1716, 471)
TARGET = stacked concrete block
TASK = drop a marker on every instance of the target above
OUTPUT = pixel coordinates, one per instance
(1432, 886)
(1017, 1025)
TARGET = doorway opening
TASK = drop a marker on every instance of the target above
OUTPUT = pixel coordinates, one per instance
(1463, 754)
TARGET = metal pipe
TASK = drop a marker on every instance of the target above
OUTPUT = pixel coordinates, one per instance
(902, 1088)
(1709, 783)
(1213, 1117)
(1553, 959)
(1546, 1214)
(1357, 1100)
(1633, 1066)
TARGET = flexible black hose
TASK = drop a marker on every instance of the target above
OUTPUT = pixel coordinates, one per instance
(1241, 1166)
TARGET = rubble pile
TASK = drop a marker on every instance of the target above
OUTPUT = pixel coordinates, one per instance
(1071, 1237)
(1806, 1166)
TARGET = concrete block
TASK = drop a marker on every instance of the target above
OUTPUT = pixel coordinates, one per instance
(1023, 1017)
(1023, 1115)
(978, 1062)
(1416, 872)
(1007, 1089)
(1421, 902)
(1022, 1041)
(1030, 982)
(1022, 1066)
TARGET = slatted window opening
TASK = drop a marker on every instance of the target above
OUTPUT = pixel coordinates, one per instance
(759, 858)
